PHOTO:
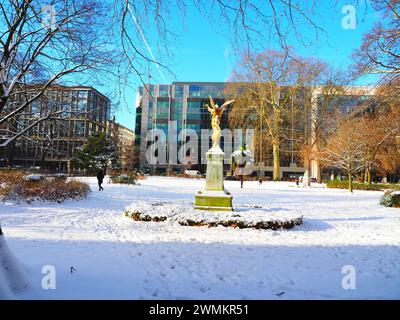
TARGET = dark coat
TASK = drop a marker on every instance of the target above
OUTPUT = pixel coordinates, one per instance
(100, 175)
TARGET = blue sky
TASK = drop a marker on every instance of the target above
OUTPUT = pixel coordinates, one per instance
(202, 53)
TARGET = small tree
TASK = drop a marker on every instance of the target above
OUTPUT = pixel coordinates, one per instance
(97, 153)
(387, 158)
(345, 149)
(131, 157)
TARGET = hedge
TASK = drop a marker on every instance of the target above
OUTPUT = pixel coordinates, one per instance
(344, 184)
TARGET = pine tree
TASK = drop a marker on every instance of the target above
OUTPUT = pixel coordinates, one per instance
(98, 152)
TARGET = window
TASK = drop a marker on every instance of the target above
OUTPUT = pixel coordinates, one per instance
(82, 104)
(177, 111)
(164, 91)
(163, 110)
(203, 91)
(79, 128)
(35, 108)
(150, 117)
(194, 110)
(194, 91)
(178, 91)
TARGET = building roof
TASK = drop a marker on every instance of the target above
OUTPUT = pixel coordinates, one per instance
(121, 126)
(199, 83)
(79, 88)
(70, 88)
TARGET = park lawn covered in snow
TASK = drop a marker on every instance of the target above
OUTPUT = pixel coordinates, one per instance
(118, 258)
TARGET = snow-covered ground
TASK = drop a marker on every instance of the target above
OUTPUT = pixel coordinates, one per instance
(118, 258)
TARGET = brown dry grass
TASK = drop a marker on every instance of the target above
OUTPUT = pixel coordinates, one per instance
(12, 186)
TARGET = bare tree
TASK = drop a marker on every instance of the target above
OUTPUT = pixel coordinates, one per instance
(264, 86)
(379, 52)
(40, 46)
(251, 25)
(255, 25)
(360, 142)
(345, 149)
(384, 144)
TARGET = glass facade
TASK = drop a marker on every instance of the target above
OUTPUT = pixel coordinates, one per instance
(346, 103)
(205, 90)
(85, 111)
(182, 103)
(162, 110)
(194, 111)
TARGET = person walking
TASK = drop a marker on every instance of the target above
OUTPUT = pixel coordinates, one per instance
(100, 177)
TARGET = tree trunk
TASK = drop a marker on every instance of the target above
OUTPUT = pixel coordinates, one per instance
(369, 179)
(276, 156)
(308, 170)
(350, 182)
(319, 175)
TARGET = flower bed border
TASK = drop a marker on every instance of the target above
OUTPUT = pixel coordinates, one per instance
(228, 219)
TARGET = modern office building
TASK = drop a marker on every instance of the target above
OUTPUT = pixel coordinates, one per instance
(174, 109)
(85, 111)
(178, 110)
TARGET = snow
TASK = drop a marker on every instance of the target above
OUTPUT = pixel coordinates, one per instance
(176, 213)
(12, 274)
(33, 177)
(118, 258)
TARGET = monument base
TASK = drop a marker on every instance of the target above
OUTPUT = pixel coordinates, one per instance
(213, 201)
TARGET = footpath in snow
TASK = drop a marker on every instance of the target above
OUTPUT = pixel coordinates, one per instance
(118, 258)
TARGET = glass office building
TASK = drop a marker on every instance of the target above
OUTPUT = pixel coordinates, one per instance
(85, 111)
(174, 109)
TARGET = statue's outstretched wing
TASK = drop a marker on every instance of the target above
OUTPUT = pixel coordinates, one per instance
(227, 103)
(212, 102)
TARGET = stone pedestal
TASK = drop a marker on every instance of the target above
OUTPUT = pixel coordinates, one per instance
(214, 197)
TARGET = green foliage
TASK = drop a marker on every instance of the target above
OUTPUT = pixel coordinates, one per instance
(97, 153)
(125, 178)
(391, 199)
(344, 184)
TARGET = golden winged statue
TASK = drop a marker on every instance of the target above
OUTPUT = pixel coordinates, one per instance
(216, 114)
